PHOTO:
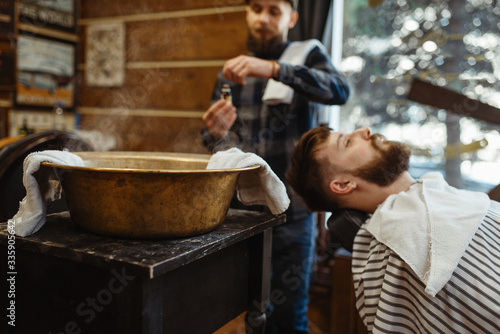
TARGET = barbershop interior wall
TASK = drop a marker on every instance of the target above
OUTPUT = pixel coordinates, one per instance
(6, 97)
(5, 104)
(173, 51)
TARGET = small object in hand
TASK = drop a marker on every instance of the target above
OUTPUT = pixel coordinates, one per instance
(226, 93)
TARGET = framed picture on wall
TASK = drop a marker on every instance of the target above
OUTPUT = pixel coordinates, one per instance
(55, 14)
(45, 71)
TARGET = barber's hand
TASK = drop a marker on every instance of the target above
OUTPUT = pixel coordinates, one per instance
(219, 118)
(238, 68)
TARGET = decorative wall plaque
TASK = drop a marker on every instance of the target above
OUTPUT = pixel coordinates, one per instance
(105, 55)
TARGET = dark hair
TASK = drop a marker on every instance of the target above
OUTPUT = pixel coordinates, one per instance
(309, 171)
(294, 3)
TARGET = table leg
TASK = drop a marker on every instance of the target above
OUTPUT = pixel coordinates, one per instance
(259, 283)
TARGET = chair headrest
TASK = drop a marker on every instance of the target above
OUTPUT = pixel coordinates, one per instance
(344, 224)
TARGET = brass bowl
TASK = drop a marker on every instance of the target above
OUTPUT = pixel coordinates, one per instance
(147, 194)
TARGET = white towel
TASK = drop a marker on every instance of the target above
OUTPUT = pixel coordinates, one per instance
(256, 187)
(429, 227)
(295, 54)
(39, 189)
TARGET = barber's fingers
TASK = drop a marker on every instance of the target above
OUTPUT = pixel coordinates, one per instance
(226, 116)
(242, 68)
(212, 111)
(219, 118)
(234, 73)
(238, 68)
(223, 124)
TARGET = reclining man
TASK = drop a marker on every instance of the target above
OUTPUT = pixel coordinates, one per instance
(428, 258)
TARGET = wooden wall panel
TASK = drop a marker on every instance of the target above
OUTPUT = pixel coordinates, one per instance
(193, 38)
(169, 88)
(174, 50)
(200, 38)
(159, 134)
(100, 8)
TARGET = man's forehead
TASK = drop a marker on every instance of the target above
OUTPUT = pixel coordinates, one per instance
(326, 147)
(336, 137)
(332, 146)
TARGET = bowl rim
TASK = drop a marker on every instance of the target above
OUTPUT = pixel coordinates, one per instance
(137, 170)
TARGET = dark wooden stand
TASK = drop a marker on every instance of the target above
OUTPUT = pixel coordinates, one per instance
(344, 318)
(70, 281)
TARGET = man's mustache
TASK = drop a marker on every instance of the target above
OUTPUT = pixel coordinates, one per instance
(263, 29)
(377, 138)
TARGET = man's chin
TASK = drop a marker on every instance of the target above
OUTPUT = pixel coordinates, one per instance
(260, 46)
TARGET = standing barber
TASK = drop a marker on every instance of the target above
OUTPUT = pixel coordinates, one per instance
(277, 92)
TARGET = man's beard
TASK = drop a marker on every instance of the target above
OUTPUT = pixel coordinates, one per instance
(392, 160)
(266, 49)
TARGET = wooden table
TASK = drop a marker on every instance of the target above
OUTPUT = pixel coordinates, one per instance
(70, 281)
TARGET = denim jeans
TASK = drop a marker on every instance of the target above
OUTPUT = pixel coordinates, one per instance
(292, 263)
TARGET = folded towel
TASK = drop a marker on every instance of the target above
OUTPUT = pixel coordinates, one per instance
(256, 187)
(41, 188)
(295, 54)
(429, 227)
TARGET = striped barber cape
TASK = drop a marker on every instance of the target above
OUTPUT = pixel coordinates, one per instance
(392, 299)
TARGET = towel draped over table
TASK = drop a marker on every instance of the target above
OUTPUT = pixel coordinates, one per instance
(41, 187)
(256, 187)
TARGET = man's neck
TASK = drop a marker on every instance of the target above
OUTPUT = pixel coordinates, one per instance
(402, 183)
(369, 196)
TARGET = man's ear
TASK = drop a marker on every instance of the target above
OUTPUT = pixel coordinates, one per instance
(342, 186)
(294, 17)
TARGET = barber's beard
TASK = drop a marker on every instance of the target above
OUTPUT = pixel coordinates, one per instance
(392, 160)
(263, 48)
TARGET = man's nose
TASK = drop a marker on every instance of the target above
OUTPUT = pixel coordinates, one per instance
(264, 17)
(364, 133)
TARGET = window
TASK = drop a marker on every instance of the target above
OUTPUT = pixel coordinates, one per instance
(453, 44)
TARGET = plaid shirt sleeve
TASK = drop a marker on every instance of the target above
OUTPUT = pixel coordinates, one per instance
(318, 80)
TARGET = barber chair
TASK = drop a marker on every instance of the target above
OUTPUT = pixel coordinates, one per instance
(13, 151)
(344, 224)
(494, 194)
